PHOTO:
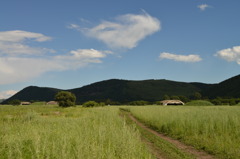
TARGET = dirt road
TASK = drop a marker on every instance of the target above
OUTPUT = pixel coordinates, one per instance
(183, 147)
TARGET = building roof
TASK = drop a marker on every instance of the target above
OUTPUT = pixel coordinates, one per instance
(172, 102)
(25, 103)
(52, 103)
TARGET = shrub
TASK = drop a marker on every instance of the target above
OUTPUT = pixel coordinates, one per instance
(216, 102)
(199, 103)
(14, 102)
(158, 103)
(90, 104)
(102, 104)
(65, 99)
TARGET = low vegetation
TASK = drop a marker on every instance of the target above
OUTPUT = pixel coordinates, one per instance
(14, 102)
(53, 132)
(93, 104)
(213, 129)
(139, 102)
(199, 103)
(43, 131)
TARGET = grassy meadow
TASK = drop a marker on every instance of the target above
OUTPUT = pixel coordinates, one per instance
(51, 132)
(215, 129)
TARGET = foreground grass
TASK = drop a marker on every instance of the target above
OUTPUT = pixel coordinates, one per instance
(213, 129)
(52, 132)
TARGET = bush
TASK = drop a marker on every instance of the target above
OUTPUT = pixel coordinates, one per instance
(216, 102)
(225, 101)
(139, 102)
(102, 104)
(158, 103)
(14, 102)
(65, 99)
(90, 104)
(199, 103)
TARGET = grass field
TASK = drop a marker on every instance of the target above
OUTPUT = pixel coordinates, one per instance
(52, 132)
(67, 133)
(215, 129)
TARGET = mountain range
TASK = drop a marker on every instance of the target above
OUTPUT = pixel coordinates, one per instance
(126, 90)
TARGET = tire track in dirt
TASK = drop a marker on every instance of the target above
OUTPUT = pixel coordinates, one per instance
(186, 148)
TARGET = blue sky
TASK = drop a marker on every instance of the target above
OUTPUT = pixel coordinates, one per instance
(71, 43)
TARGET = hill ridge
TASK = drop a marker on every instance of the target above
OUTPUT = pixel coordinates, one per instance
(120, 90)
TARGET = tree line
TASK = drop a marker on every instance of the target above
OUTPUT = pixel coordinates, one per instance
(67, 99)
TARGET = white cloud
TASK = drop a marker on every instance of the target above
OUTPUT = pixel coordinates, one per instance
(230, 54)
(91, 53)
(21, 49)
(19, 35)
(15, 66)
(180, 58)
(125, 32)
(12, 43)
(203, 7)
(7, 94)
(19, 69)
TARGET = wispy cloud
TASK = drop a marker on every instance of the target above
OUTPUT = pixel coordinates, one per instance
(19, 35)
(12, 43)
(19, 69)
(7, 94)
(230, 54)
(180, 58)
(203, 7)
(125, 32)
(15, 66)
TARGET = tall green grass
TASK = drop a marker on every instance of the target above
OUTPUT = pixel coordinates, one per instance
(213, 129)
(52, 132)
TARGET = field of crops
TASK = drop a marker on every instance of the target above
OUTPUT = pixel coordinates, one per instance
(66, 133)
(215, 129)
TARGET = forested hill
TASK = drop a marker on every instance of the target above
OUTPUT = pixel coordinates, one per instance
(228, 88)
(125, 90)
(34, 93)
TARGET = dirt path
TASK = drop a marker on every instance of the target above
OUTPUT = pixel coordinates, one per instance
(186, 148)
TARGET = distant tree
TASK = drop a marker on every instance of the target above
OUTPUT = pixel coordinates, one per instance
(197, 96)
(216, 101)
(166, 97)
(232, 102)
(14, 102)
(108, 102)
(158, 103)
(184, 99)
(90, 104)
(102, 104)
(65, 99)
(175, 98)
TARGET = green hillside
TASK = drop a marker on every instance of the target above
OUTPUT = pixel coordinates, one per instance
(227, 88)
(125, 91)
(34, 93)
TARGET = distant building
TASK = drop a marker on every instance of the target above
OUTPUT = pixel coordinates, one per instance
(52, 103)
(172, 102)
(25, 103)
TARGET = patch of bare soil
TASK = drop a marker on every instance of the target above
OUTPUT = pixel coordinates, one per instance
(186, 148)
